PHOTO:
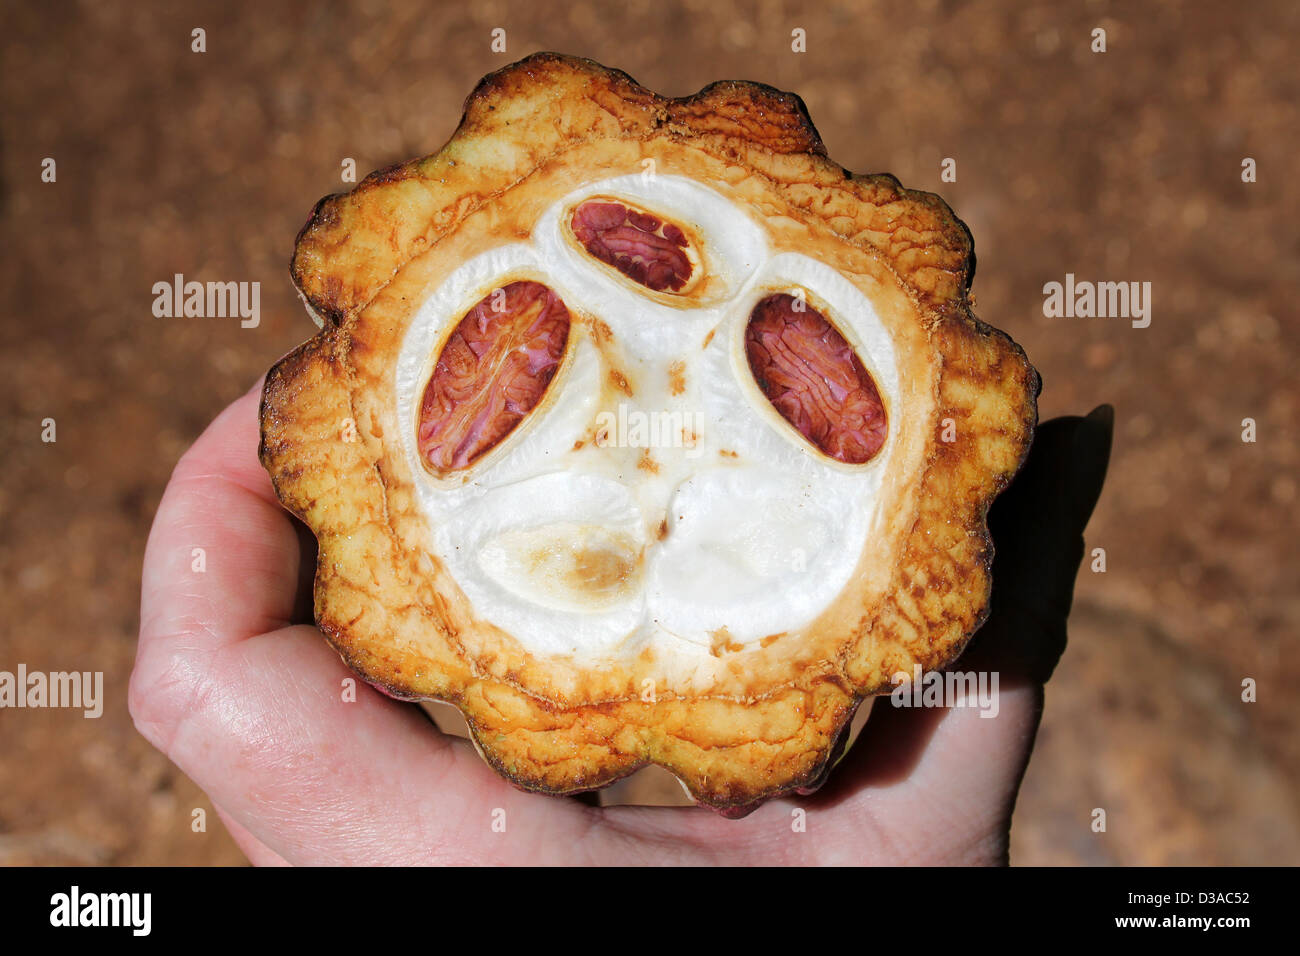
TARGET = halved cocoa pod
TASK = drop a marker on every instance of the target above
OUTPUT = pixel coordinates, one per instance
(797, 584)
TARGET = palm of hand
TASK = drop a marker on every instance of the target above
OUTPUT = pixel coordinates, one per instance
(245, 698)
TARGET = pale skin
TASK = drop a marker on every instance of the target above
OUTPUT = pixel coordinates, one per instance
(236, 686)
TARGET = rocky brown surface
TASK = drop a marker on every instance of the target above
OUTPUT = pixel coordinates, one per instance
(1122, 166)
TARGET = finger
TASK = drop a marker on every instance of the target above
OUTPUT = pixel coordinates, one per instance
(938, 783)
(258, 853)
(224, 560)
(314, 775)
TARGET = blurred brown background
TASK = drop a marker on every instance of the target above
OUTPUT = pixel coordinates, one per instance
(1120, 166)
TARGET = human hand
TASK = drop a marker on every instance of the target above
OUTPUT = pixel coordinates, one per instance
(237, 686)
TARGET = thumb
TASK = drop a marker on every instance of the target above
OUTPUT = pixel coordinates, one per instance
(962, 766)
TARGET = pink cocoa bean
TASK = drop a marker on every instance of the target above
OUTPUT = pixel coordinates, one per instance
(815, 380)
(640, 246)
(493, 370)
